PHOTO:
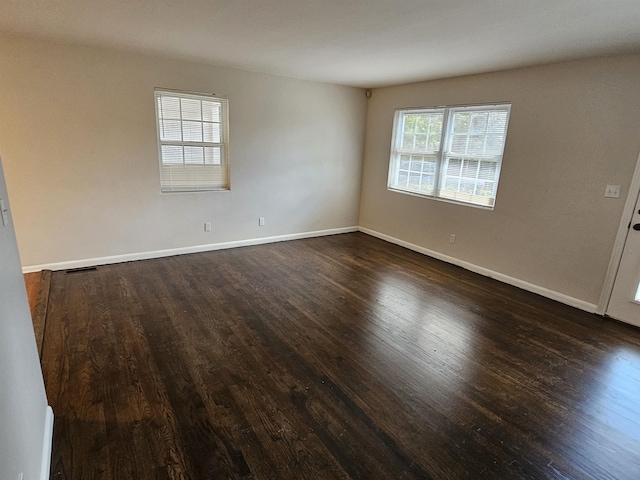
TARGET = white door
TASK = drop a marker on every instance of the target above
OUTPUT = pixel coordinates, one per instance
(625, 298)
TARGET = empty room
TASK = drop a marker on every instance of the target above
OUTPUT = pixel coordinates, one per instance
(364, 239)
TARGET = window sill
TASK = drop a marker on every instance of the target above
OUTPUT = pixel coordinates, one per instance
(442, 199)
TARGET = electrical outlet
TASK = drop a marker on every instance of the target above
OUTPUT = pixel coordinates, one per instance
(452, 238)
(207, 226)
(612, 191)
(261, 222)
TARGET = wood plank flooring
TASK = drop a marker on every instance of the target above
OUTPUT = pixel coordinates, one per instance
(340, 357)
(38, 285)
(32, 284)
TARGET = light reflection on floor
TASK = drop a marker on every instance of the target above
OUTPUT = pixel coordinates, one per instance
(620, 394)
(609, 412)
(414, 319)
(450, 359)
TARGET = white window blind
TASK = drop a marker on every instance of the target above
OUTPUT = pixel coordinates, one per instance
(451, 153)
(193, 141)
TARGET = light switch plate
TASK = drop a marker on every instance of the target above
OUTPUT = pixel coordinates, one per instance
(5, 212)
(612, 191)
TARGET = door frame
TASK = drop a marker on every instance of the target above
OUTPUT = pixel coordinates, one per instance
(621, 237)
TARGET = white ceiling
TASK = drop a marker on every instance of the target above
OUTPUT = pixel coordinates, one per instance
(365, 43)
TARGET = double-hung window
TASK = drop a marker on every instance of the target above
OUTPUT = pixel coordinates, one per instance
(450, 153)
(193, 141)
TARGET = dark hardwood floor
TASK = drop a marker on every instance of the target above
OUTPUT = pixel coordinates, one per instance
(331, 358)
(38, 284)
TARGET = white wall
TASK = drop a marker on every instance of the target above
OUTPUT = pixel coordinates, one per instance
(77, 132)
(23, 404)
(574, 128)
(78, 136)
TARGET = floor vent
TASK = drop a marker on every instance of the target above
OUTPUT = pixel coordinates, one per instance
(82, 269)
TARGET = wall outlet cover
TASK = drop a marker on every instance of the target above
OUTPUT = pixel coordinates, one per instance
(612, 191)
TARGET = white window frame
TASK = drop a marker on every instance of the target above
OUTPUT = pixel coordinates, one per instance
(197, 163)
(434, 171)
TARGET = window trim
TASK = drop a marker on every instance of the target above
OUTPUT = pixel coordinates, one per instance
(440, 156)
(223, 166)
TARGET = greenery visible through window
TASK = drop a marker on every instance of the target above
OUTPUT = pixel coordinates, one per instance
(451, 153)
(193, 141)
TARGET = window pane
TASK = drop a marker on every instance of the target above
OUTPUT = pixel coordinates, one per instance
(429, 166)
(470, 168)
(172, 155)
(170, 130)
(193, 155)
(472, 177)
(212, 156)
(422, 124)
(454, 166)
(415, 173)
(467, 186)
(434, 121)
(416, 164)
(192, 131)
(475, 145)
(459, 144)
(479, 122)
(169, 107)
(414, 181)
(479, 133)
(407, 141)
(486, 189)
(427, 184)
(433, 143)
(211, 132)
(208, 155)
(210, 111)
(461, 123)
(487, 171)
(409, 123)
(451, 184)
(422, 133)
(191, 109)
(497, 123)
(494, 145)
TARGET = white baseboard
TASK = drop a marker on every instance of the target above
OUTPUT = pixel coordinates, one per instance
(130, 257)
(46, 445)
(545, 292)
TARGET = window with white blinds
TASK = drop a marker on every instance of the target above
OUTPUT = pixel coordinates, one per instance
(192, 141)
(450, 153)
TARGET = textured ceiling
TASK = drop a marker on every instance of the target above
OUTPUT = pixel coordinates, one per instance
(365, 43)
